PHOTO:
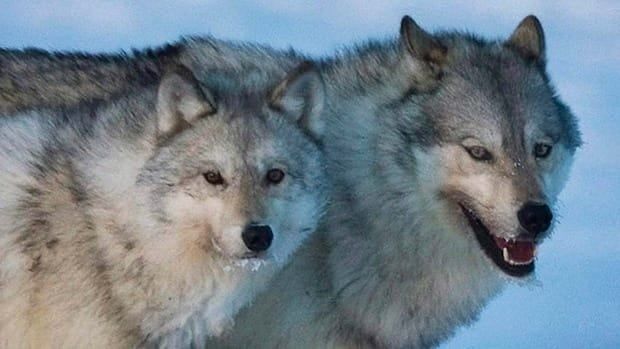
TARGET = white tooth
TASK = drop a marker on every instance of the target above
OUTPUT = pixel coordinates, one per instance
(523, 263)
(520, 263)
(535, 251)
(512, 262)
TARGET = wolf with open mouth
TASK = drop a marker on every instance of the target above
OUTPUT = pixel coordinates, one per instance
(447, 152)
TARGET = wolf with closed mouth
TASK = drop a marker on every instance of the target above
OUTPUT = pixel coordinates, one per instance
(446, 153)
(149, 220)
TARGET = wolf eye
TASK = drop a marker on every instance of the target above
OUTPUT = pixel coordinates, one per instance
(542, 150)
(275, 176)
(214, 178)
(479, 153)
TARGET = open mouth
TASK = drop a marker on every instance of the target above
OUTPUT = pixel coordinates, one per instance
(513, 257)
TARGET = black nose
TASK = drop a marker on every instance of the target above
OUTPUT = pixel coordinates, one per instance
(535, 218)
(257, 237)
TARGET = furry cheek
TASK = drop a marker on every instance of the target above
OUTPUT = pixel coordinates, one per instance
(211, 222)
(193, 220)
(293, 222)
(459, 178)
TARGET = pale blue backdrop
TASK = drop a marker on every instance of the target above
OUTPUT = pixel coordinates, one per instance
(576, 304)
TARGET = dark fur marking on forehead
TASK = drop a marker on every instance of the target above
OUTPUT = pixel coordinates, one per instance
(500, 73)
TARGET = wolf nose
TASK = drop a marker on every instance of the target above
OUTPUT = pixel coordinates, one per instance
(535, 218)
(257, 237)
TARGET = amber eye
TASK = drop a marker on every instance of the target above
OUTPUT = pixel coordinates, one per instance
(275, 176)
(214, 178)
(479, 153)
(542, 150)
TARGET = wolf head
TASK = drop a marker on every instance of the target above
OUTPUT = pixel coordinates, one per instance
(237, 174)
(494, 145)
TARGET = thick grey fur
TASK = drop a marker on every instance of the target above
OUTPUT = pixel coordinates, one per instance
(396, 263)
(110, 234)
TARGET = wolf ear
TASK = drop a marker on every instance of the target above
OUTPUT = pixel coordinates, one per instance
(181, 101)
(424, 49)
(301, 96)
(529, 39)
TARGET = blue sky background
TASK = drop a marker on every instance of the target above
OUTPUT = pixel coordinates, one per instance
(576, 304)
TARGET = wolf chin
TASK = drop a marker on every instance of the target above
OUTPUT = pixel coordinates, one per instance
(151, 219)
(446, 153)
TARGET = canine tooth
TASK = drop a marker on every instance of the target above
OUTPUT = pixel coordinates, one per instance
(506, 255)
